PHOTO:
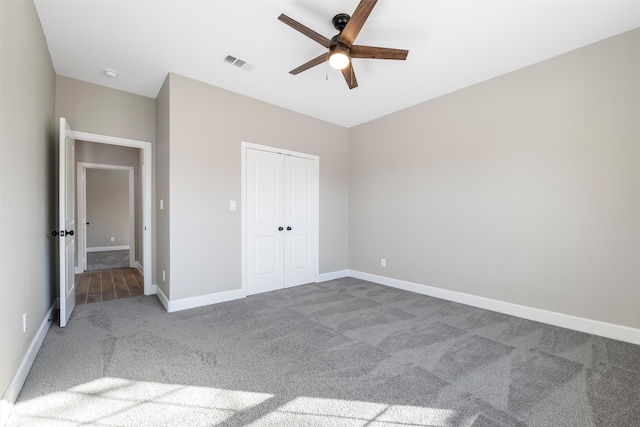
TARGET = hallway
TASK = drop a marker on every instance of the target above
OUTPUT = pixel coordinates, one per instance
(105, 285)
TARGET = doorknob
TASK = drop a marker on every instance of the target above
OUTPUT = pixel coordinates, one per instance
(280, 228)
(289, 229)
(54, 233)
(68, 232)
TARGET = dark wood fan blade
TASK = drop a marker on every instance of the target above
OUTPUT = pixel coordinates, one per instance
(357, 20)
(378, 52)
(350, 76)
(315, 61)
(306, 31)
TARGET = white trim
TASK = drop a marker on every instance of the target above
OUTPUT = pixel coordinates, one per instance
(332, 275)
(244, 146)
(581, 324)
(81, 219)
(139, 267)
(162, 297)
(271, 149)
(146, 184)
(12, 392)
(200, 301)
(108, 248)
(243, 201)
(106, 139)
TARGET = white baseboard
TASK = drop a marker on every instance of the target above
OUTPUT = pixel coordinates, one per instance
(11, 395)
(332, 275)
(200, 301)
(79, 269)
(139, 267)
(162, 297)
(108, 248)
(186, 303)
(595, 327)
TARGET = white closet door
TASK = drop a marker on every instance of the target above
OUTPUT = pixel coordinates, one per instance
(265, 218)
(300, 207)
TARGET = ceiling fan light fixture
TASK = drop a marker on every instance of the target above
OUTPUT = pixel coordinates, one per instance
(339, 60)
(339, 57)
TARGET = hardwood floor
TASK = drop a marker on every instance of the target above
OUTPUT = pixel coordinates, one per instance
(105, 285)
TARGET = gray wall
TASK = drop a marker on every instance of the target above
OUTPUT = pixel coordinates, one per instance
(27, 171)
(92, 152)
(163, 229)
(523, 188)
(98, 109)
(107, 207)
(207, 126)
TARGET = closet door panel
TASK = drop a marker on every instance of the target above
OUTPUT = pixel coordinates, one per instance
(265, 216)
(300, 218)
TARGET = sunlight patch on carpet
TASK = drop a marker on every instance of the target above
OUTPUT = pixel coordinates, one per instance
(115, 402)
(122, 402)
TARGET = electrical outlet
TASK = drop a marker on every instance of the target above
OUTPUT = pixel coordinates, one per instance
(24, 322)
(383, 262)
(164, 277)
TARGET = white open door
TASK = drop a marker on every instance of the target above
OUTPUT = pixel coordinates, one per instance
(66, 223)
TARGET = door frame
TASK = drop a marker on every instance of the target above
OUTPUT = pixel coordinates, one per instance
(146, 186)
(244, 146)
(81, 191)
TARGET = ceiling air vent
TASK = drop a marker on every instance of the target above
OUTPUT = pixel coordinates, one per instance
(243, 65)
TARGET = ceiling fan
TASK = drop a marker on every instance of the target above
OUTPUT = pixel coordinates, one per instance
(341, 47)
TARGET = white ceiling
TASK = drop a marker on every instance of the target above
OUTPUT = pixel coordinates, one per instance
(452, 44)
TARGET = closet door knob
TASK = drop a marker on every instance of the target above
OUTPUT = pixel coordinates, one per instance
(280, 228)
(288, 228)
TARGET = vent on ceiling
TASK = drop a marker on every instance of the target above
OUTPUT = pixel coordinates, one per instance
(243, 65)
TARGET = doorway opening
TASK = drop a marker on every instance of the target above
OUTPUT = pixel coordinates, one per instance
(142, 262)
(106, 216)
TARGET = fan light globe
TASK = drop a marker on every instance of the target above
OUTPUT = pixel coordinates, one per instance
(338, 60)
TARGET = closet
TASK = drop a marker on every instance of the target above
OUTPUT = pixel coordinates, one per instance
(281, 219)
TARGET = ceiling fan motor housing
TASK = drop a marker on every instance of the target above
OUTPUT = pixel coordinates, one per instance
(340, 21)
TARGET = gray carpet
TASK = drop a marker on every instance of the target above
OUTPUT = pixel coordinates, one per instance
(106, 260)
(339, 353)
